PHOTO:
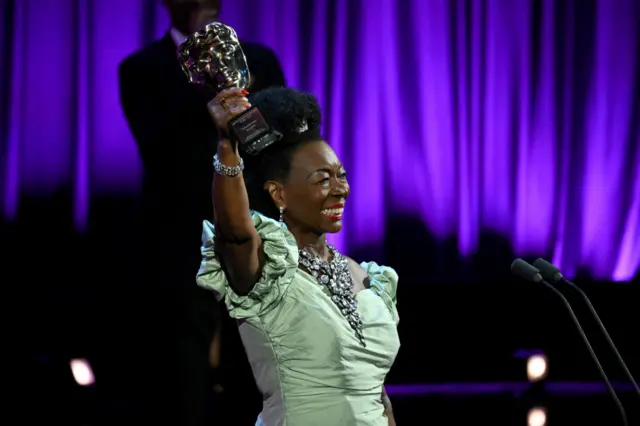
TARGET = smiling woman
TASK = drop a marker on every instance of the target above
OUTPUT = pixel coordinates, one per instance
(319, 329)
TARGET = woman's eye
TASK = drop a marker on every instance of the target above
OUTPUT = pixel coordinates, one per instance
(342, 175)
(324, 181)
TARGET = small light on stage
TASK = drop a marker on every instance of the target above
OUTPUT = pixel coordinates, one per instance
(537, 417)
(82, 372)
(536, 368)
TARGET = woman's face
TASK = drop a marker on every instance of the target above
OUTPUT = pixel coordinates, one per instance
(314, 195)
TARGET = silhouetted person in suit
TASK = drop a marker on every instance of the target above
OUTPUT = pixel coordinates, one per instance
(177, 140)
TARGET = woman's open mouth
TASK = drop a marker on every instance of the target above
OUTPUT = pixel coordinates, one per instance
(333, 212)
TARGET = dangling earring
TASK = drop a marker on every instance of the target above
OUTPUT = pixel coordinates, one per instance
(281, 213)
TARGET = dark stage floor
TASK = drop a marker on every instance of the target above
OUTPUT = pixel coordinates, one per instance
(422, 410)
(416, 405)
(506, 410)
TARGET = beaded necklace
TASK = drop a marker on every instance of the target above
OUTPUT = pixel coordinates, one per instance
(335, 276)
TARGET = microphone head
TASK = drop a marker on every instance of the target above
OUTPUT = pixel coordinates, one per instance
(526, 271)
(548, 271)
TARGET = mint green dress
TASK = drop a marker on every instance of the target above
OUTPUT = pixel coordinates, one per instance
(306, 359)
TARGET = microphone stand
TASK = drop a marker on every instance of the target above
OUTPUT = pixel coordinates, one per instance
(553, 274)
(585, 339)
(532, 273)
(595, 315)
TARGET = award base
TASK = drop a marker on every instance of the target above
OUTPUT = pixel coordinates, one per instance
(252, 131)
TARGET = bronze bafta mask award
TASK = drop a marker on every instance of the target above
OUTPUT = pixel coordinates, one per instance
(213, 57)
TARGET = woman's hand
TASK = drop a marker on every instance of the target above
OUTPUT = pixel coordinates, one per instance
(388, 410)
(227, 105)
(392, 421)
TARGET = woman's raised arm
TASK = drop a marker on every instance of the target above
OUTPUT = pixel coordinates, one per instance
(239, 244)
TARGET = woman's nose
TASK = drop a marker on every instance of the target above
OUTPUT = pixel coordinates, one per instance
(341, 189)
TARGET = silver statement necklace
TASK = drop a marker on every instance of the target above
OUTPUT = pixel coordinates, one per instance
(335, 276)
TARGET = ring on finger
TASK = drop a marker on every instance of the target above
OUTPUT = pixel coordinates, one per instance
(223, 104)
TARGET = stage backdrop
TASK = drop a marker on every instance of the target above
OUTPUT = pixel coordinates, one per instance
(517, 117)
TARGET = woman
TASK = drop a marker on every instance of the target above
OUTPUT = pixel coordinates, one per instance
(320, 330)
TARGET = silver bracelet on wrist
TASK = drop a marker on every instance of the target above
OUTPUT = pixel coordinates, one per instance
(224, 170)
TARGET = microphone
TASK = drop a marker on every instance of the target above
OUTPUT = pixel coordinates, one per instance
(553, 274)
(526, 271)
(531, 273)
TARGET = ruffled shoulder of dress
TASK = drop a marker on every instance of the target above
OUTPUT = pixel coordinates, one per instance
(281, 253)
(383, 280)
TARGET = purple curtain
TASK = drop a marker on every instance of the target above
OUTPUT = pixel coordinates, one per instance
(518, 117)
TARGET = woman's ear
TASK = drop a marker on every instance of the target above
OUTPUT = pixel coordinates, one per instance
(276, 191)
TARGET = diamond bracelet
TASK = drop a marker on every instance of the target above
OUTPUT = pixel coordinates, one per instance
(224, 170)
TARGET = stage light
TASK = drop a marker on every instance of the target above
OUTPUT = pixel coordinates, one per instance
(537, 417)
(537, 366)
(82, 372)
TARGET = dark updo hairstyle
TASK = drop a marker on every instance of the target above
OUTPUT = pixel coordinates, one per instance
(296, 115)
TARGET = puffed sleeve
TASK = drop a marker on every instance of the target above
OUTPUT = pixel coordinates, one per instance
(281, 253)
(384, 281)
